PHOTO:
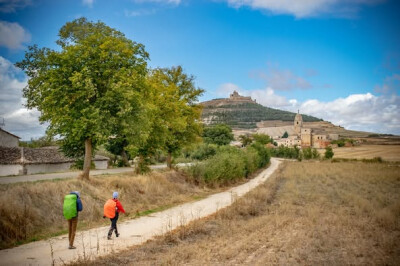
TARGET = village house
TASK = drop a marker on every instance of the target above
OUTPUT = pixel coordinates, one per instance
(7, 139)
(15, 160)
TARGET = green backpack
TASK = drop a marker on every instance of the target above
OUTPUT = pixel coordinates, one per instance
(69, 207)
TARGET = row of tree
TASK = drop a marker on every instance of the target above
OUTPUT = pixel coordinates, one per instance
(97, 88)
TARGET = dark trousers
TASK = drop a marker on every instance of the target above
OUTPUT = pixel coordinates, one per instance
(72, 223)
(114, 225)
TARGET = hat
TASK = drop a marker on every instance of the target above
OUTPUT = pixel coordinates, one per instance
(115, 195)
(76, 192)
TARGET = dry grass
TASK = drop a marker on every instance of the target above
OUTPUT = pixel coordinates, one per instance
(32, 211)
(386, 152)
(314, 213)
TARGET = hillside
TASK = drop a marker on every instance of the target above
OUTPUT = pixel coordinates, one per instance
(244, 114)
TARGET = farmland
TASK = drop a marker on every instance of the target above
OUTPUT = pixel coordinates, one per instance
(306, 213)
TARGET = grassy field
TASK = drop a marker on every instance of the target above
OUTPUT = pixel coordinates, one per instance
(32, 211)
(386, 152)
(313, 212)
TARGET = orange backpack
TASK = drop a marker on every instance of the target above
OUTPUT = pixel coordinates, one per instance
(109, 208)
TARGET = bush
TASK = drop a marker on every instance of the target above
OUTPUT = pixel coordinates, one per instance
(262, 138)
(373, 160)
(307, 153)
(204, 151)
(78, 164)
(220, 134)
(252, 160)
(328, 153)
(264, 154)
(286, 152)
(230, 163)
(224, 167)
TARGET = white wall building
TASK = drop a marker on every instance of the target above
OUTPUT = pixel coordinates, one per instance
(7, 139)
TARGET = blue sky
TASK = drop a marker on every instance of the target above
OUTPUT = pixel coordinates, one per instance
(335, 59)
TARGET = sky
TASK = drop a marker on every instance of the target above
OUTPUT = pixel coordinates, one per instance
(338, 60)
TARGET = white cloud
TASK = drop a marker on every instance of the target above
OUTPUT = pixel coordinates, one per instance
(88, 3)
(10, 6)
(12, 35)
(19, 121)
(306, 8)
(363, 112)
(282, 79)
(139, 12)
(170, 2)
(391, 84)
(226, 89)
(267, 97)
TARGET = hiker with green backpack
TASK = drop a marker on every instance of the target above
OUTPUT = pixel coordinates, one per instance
(72, 205)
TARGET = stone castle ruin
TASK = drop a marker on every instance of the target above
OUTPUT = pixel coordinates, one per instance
(234, 99)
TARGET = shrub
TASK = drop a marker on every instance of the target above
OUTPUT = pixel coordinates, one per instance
(224, 167)
(307, 153)
(286, 152)
(219, 134)
(262, 138)
(252, 160)
(264, 154)
(328, 153)
(230, 163)
(315, 154)
(204, 151)
(373, 160)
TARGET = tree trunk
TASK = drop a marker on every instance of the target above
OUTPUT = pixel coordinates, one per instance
(88, 160)
(169, 160)
(142, 166)
(124, 158)
(138, 167)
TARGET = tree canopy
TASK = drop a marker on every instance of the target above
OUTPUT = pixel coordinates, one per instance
(92, 83)
(219, 134)
(175, 113)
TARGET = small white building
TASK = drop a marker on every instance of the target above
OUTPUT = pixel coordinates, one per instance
(7, 139)
(26, 161)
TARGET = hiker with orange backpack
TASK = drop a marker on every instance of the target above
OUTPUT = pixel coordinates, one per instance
(112, 208)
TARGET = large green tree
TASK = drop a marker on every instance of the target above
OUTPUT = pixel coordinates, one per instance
(185, 96)
(91, 83)
(220, 134)
(175, 113)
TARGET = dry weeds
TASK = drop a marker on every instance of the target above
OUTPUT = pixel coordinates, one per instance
(307, 213)
(32, 211)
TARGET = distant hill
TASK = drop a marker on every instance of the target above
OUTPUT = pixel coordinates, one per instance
(243, 112)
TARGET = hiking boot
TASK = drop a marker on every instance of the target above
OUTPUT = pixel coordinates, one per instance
(72, 247)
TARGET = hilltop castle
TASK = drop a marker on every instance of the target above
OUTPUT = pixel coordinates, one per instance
(234, 99)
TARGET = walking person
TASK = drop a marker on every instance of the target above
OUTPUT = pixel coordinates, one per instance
(112, 208)
(72, 206)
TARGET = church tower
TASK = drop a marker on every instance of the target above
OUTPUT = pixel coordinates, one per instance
(298, 123)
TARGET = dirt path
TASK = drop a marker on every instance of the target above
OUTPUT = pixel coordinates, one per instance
(93, 243)
(72, 174)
